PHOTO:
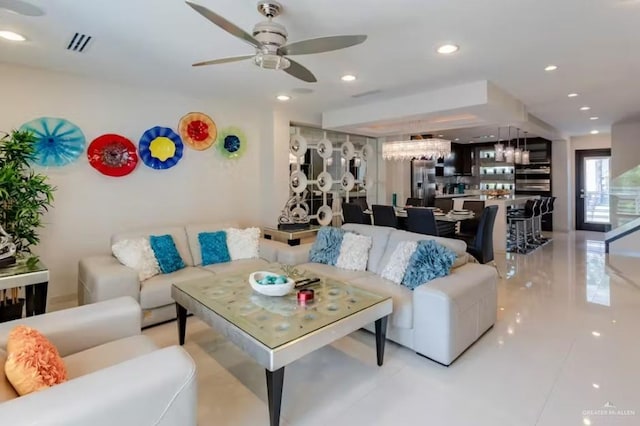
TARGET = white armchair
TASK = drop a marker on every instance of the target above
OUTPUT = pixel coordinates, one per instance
(116, 375)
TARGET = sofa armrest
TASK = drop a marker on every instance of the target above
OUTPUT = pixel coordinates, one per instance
(76, 329)
(450, 313)
(137, 392)
(294, 255)
(103, 277)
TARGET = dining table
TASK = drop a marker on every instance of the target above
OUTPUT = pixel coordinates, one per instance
(446, 222)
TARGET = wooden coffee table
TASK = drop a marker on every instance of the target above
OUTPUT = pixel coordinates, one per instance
(276, 331)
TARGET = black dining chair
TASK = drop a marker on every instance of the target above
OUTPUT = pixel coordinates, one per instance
(414, 202)
(421, 221)
(352, 213)
(481, 246)
(469, 227)
(384, 216)
(444, 204)
(361, 201)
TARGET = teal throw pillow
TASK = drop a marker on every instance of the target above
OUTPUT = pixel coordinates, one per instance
(164, 248)
(213, 246)
(326, 249)
(429, 261)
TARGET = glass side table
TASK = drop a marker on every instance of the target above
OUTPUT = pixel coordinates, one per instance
(292, 237)
(35, 281)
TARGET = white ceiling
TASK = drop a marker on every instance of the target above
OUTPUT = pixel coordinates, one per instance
(595, 43)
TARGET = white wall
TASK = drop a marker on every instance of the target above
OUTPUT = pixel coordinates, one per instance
(600, 141)
(89, 207)
(625, 146)
(563, 205)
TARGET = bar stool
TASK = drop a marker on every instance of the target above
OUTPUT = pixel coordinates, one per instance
(519, 239)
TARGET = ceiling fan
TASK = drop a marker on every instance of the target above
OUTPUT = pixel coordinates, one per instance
(270, 41)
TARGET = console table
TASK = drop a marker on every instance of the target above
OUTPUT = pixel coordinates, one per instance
(290, 237)
(35, 281)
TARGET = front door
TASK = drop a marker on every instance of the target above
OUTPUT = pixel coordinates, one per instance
(592, 190)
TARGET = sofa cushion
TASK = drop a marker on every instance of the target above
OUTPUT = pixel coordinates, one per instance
(332, 271)
(379, 237)
(430, 261)
(33, 362)
(326, 248)
(402, 316)
(137, 254)
(179, 238)
(354, 252)
(248, 265)
(192, 232)
(243, 243)
(457, 246)
(399, 261)
(166, 253)
(156, 291)
(213, 247)
(107, 355)
(7, 391)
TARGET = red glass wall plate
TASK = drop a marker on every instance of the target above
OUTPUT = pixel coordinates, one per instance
(113, 155)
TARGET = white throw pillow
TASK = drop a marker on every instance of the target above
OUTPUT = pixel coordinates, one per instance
(354, 252)
(396, 267)
(137, 254)
(243, 243)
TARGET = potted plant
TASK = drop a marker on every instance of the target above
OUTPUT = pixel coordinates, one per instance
(24, 197)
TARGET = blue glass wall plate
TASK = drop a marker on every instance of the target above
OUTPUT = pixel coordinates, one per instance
(160, 148)
(58, 141)
(232, 142)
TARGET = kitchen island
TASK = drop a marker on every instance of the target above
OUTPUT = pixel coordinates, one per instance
(500, 229)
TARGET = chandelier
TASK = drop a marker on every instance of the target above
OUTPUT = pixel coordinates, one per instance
(416, 148)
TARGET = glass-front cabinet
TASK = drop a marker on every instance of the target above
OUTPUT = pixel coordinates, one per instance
(495, 175)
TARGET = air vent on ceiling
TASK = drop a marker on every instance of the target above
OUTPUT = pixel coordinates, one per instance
(79, 42)
(370, 92)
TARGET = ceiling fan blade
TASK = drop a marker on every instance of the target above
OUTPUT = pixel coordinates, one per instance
(223, 60)
(225, 25)
(322, 44)
(298, 71)
(21, 7)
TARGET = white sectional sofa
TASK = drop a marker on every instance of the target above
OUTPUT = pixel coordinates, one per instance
(103, 277)
(439, 319)
(116, 375)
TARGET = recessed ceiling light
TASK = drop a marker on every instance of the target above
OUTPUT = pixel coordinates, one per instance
(283, 98)
(585, 108)
(596, 333)
(11, 36)
(447, 49)
(593, 118)
(456, 139)
(551, 68)
(595, 386)
(492, 136)
(441, 136)
(586, 421)
(572, 95)
(594, 132)
(348, 77)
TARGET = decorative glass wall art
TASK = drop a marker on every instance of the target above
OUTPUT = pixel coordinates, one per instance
(232, 142)
(113, 155)
(160, 148)
(198, 130)
(58, 141)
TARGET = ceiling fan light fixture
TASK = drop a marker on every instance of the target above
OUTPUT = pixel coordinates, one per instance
(448, 49)
(271, 62)
(11, 36)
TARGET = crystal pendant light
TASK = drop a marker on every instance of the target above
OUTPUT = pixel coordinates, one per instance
(509, 151)
(517, 153)
(525, 153)
(499, 148)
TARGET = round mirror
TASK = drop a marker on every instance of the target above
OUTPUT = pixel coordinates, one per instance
(324, 182)
(325, 148)
(298, 182)
(347, 181)
(325, 215)
(297, 145)
(347, 150)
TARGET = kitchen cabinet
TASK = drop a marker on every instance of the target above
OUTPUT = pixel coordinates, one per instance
(463, 158)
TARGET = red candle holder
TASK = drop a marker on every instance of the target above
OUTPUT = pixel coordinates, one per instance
(305, 296)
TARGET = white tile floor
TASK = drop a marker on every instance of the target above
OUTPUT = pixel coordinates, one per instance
(566, 343)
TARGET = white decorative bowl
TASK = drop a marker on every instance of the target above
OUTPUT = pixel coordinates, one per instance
(270, 289)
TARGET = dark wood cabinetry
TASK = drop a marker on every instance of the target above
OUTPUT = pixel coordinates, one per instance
(463, 157)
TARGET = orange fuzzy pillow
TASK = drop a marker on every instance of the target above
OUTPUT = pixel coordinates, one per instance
(33, 363)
